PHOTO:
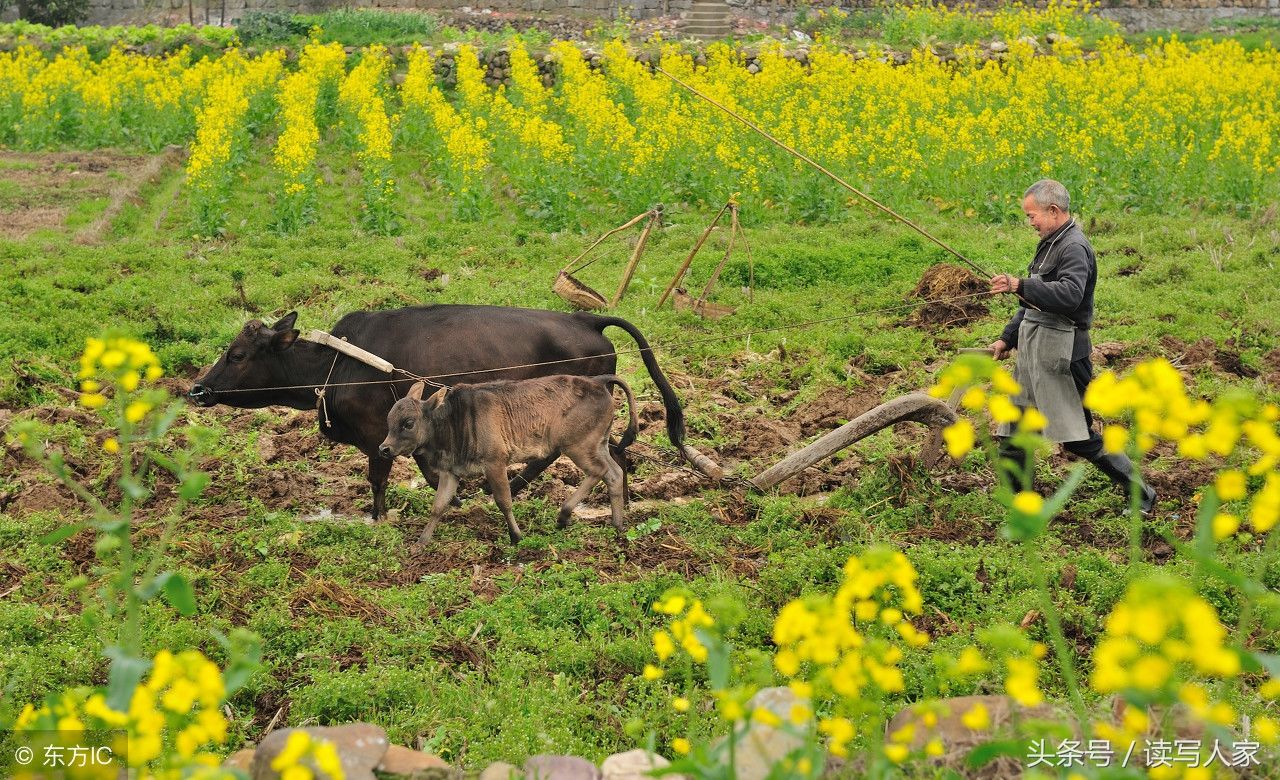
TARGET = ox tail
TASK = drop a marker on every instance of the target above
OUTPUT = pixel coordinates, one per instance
(671, 404)
(633, 427)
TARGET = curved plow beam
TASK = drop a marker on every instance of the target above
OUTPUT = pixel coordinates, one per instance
(913, 407)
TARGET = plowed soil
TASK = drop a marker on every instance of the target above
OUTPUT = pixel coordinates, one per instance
(46, 185)
(759, 421)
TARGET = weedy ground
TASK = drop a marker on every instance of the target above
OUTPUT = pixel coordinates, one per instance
(479, 650)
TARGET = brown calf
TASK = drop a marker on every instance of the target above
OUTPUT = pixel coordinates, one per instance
(484, 428)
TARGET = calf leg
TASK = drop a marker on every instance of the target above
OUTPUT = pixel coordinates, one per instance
(379, 470)
(597, 464)
(430, 475)
(593, 469)
(444, 494)
(619, 456)
(497, 476)
(530, 472)
(616, 479)
(584, 489)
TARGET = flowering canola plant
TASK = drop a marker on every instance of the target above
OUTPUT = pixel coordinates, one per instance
(1155, 401)
(1164, 650)
(295, 150)
(361, 99)
(221, 134)
(455, 135)
(172, 723)
(1126, 126)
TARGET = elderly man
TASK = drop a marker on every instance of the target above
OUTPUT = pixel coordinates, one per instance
(1050, 331)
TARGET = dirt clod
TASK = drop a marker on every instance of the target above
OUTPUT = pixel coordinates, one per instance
(1206, 354)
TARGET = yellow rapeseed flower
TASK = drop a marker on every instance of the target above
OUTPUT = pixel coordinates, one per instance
(1114, 438)
(959, 437)
(1028, 503)
(1225, 524)
(976, 718)
(663, 646)
(1230, 485)
(1021, 682)
(1033, 420)
(1003, 410)
(765, 716)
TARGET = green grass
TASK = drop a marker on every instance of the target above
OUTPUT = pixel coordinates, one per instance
(1252, 33)
(486, 651)
(362, 27)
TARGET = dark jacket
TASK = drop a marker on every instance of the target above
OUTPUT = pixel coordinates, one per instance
(1069, 272)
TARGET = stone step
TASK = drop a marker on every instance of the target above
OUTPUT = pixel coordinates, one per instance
(708, 32)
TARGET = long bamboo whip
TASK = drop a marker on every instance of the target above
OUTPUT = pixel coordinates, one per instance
(833, 177)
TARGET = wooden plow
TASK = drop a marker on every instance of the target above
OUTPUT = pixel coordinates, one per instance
(912, 407)
(581, 295)
(681, 299)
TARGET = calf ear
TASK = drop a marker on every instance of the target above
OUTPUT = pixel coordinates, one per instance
(415, 392)
(437, 398)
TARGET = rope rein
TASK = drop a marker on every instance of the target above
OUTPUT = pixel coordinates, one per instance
(320, 391)
(430, 380)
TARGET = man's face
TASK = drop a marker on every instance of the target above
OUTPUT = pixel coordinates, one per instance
(1044, 219)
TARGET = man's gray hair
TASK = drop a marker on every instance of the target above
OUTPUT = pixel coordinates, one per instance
(1048, 192)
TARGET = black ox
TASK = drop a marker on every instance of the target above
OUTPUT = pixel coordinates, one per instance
(270, 366)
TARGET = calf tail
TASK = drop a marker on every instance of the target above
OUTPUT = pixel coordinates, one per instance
(619, 451)
(633, 427)
(675, 415)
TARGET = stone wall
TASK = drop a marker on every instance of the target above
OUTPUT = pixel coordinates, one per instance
(1135, 14)
(1187, 16)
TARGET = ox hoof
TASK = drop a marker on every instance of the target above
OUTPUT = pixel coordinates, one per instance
(564, 520)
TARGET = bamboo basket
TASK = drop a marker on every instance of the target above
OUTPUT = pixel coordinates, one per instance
(577, 293)
(713, 311)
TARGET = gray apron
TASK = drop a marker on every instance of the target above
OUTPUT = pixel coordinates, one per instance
(1045, 342)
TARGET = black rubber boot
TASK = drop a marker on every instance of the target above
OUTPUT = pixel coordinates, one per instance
(1014, 462)
(1120, 470)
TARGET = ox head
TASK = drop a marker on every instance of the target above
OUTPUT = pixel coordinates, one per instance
(409, 421)
(251, 362)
